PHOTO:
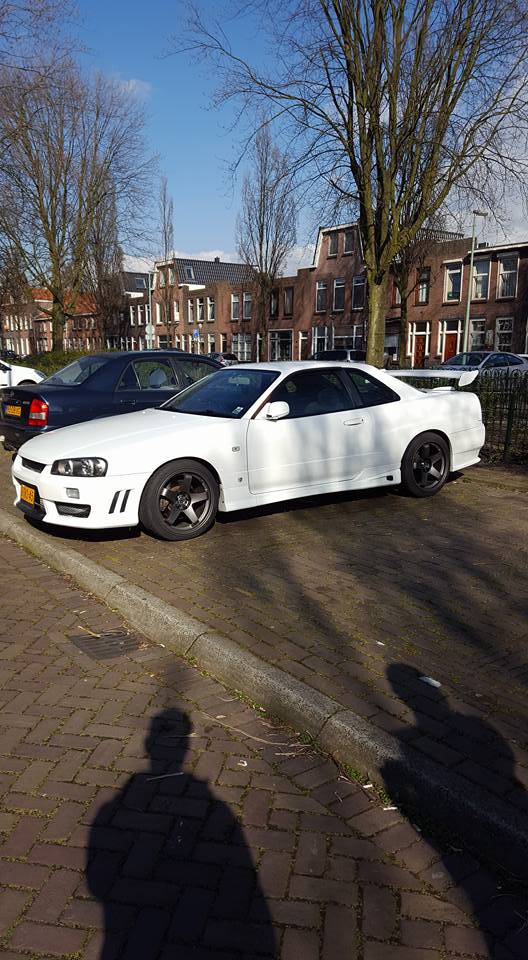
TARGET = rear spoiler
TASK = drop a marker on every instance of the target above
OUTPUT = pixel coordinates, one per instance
(465, 377)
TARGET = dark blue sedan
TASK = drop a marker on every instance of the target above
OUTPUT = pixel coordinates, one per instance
(97, 385)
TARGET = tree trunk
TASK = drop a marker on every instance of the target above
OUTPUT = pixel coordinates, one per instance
(58, 320)
(402, 351)
(376, 310)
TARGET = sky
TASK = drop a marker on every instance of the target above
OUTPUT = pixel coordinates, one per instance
(130, 40)
(195, 141)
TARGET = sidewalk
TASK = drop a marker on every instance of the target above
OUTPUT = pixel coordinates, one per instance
(358, 597)
(147, 813)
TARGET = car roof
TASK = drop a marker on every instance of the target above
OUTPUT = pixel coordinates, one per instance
(150, 354)
(291, 366)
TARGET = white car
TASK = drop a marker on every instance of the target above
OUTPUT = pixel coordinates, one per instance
(246, 436)
(14, 375)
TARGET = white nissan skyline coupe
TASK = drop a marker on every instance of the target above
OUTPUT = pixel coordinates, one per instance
(246, 436)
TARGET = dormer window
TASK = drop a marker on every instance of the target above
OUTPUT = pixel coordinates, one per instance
(189, 272)
(332, 244)
(140, 282)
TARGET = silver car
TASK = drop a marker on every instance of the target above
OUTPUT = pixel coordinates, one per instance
(486, 362)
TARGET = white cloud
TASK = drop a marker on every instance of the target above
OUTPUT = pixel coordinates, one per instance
(137, 264)
(300, 256)
(140, 89)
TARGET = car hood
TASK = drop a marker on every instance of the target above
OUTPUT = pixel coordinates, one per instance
(106, 437)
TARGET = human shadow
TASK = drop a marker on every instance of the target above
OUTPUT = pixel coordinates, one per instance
(169, 863)
(497, 902)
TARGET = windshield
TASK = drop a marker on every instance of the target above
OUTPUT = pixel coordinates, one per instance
(227, 393)
(466, 360)
(77, 372)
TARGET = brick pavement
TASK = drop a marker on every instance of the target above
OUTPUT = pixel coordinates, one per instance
(337, 591)
(147, 813)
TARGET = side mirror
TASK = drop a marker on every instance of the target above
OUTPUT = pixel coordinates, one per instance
(277, 410)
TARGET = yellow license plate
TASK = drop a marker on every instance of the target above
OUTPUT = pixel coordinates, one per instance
(27, 494)
(13, 410)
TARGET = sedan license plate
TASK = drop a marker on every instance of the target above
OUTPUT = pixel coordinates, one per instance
(27, 494)
(13, 410)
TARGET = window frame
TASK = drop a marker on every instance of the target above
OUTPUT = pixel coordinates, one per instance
(359, 281)
(235, 300)
(247, 298)
(342, 287)
(333, 241)
(423, 283)
(479, 261)
(500, 276)
(288, 294)
(321, 287)
(449, 267)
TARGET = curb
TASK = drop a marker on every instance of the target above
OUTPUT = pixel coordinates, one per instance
(457, 806)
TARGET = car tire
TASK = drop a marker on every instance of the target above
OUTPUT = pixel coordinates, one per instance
(425, 465)
(180, 501)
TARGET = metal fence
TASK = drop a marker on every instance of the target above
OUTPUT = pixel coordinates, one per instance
(504, 401)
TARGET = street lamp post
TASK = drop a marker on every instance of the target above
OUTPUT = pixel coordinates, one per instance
(465, 343)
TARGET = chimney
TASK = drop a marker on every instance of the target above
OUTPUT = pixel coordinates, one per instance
(217, 259)
(481, 246)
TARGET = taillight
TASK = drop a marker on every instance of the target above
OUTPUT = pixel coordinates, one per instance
(38, 413)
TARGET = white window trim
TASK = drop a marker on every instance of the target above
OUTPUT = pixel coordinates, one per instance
(443, 332)
(235, 298)
(343, 287)
(476, 262)
(412, 334)
(471, 322)
(247, 298)
(496, 346)
(211, 303)
(500, 258)
(321, 284)
(447, 264)
(355, 283)
(281, 330)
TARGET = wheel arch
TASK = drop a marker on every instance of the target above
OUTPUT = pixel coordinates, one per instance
(439, 433)
(200, 460)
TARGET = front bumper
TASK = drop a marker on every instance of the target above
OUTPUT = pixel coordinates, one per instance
(113, 501)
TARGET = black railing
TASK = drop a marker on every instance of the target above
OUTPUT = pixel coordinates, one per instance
(504, 401)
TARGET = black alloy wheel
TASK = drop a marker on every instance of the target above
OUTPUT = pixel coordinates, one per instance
(180, 501)
(425, 465)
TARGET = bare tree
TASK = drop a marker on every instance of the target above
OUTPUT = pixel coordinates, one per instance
(266, 226)
(104, 269)
(71, 142)
(386, 100)
(166, 226)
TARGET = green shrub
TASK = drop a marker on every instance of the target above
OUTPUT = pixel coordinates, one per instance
(54, 360)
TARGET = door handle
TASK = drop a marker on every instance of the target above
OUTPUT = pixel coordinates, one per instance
(353, 423)
(130, 403)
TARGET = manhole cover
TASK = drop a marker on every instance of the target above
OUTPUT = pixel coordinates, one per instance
(115, 643)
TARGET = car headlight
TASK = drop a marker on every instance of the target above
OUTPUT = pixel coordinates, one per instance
(80, 467)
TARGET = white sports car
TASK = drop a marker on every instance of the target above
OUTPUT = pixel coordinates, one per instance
(247, 436)
(15, 375)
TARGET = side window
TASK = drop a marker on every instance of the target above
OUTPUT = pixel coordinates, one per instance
(148, 375)
(513, 361)
(497, 360)
(370, 390)
(192, 370)
(313, 393)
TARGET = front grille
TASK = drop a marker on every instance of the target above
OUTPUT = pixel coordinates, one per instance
(33, 465)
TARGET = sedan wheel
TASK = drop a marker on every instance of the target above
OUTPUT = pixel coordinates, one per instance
(180, 501)
(425, 465)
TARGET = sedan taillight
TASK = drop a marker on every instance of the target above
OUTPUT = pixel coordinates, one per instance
(38, 413)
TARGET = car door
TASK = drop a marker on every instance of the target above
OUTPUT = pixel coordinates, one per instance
(314, 444)
(145, 382)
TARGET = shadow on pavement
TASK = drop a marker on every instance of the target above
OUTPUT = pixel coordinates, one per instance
(169, 863)
(499, 907)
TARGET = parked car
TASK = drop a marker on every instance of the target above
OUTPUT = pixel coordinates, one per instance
(97, 385)
(242, 438)
(224, 359)
(485, 362)
(9, 355)
(13, 374)
(340, 353)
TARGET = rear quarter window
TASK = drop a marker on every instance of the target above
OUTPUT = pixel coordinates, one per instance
(371, 392)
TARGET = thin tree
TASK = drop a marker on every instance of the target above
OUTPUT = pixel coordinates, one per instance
(387, 100)
(266, 225)
(104, 273)
(166, 227)
(69, 139)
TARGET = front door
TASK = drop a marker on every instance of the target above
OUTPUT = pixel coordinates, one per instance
(419, 350)
(450, 346)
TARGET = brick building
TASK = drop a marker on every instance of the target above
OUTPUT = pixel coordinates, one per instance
(204, 306)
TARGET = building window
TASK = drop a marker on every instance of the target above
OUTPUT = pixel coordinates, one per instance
(210, 308)
(320, 296)
(189, 272)
(176, 311)
(478, 335)
(223, 343)
(235, 306)
(481, 269)
(274, 303)
(241, 345)
(422, 286)
(201, 309)
(507, 277)
(349, 241)
(280, 345)
(140, 314)
(246, 306)
(132, 316)
(140, 283)
(503, 333)
(158, 313)
(171, 276)
(190, 308)
(358, 293)
(162, 278)
(332, 244)
(396, 295)
(453, 280)
(210, 343)
(288, 301)
(339, 293)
